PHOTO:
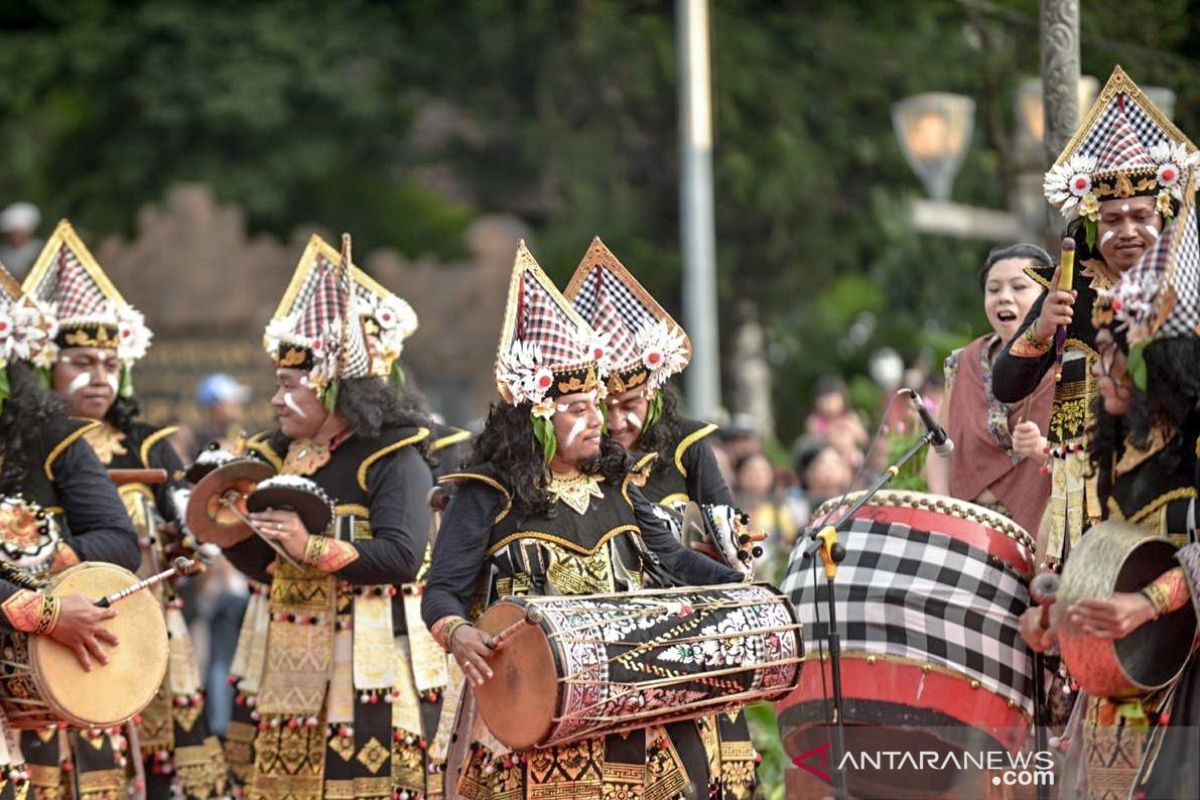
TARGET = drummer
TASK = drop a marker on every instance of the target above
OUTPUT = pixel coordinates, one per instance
(999, 448)
(547, 506)
(644, 347)
(1143, 451)
(100, 339)
(334, 715)
(47, 467)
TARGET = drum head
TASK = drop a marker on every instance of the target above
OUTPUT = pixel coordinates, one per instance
(211, 515)
(520, 701)
(111, 693)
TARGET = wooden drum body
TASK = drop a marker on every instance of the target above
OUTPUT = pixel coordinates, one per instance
(1120, 557)
(928, 603)
(594, 665)
(41, 682)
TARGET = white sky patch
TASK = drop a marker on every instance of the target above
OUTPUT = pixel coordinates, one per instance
(1153, 231)
(1107, 235)
(79, 383)
(293, 406)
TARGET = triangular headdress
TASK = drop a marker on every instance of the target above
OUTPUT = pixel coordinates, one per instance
(645, 346)
(316, 327)
(89, 309)
(546, 349)
(1124, 147)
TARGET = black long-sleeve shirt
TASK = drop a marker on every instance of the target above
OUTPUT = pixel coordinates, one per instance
(99, 528)
(705, 484)
(396, 490)
(1015, 377)
(461, 550)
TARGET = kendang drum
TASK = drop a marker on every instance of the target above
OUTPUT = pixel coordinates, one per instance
(42, 683)
(928, 602)
(592, 665)
(1120, 557)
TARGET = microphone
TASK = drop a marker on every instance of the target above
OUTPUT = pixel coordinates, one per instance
(942, 444)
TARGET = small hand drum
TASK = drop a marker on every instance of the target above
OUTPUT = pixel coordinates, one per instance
(218, 503)
(41, 682)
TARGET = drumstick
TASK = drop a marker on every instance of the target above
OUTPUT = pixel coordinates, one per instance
(179, 567)
(532, 617)
(1042, 590)
(1066, 277)
(149, 476)
(232, 506)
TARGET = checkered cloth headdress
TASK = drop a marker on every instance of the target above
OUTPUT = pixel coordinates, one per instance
(644, 343)
(546, 349)
(316, 326)
(90, 311)
(1124, 147)
(27, 327)
(1160, 296)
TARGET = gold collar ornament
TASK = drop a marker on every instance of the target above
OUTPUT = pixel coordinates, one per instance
(576, 491)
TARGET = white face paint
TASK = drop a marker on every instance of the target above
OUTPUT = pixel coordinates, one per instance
(79, 383)
(634, 420)
(1153, 231)
(114, 382)
(1107, 235)
(293, 406)
(576, 429)
(1125, 208)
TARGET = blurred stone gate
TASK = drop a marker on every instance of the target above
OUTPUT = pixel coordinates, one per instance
(207, 289)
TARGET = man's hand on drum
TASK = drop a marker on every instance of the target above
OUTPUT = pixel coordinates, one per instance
(472, 648)
(1028, 441)
(1114, 618)
(80, 628)
(1057, 309)
(285, 529)
(1038, 638)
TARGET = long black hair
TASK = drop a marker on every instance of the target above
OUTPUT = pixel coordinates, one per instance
(664, 434)
(27, 412)
(1169, 402)
(507, 445)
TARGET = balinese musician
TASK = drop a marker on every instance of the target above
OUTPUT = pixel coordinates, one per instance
(328, 671)
(644, 348)
(100, 339)
(547, 507)
(1118, 181)
(57, 508)
(1143, 450)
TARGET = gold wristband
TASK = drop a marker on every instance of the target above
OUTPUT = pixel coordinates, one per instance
(31, 612)
(328, 555)
(51, 608)
(1158, 596)
(443, 630)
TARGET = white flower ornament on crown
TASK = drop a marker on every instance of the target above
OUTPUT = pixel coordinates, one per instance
(664, 351)
(522, 374)
(27, 331)
(133, 337)
(1066, 184)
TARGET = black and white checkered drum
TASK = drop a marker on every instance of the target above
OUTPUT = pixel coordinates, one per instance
(592, 665)
(928, 601)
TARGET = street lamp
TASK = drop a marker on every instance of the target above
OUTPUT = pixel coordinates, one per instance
(934, 130)
(1031, 114)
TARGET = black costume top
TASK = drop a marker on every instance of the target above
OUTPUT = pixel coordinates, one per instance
(64, 477)
(379, 487)
(609, 548)
(688, 471)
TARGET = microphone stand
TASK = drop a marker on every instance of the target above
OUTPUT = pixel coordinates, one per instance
(825, 542)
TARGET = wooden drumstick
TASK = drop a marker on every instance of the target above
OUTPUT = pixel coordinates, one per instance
(532, 617)
(1043, 590)
(232, 505)
(151, 477)
(179, 567)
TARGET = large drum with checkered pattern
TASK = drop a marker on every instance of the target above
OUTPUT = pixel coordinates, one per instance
(927, 603)
(591, 665)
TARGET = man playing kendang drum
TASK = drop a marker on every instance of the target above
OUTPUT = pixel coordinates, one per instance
(1118, 181)
(335, 715)
(52, 485)
(100, 338)
(548, 507)
(644, 347)
(1143, 450)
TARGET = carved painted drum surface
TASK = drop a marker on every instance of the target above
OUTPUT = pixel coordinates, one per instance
(928, 602)
(591, 665)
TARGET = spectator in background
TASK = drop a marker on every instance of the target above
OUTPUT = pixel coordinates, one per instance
(821, 474)
(760, 494)
(741, 438)
(19, 223)
(833, 421)
(222, 401)
(999, 448)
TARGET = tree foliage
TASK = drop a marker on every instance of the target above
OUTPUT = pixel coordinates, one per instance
(401, 120)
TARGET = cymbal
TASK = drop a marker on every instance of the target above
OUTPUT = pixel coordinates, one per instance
(219, 497)
(293, 493)
(694, 527)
